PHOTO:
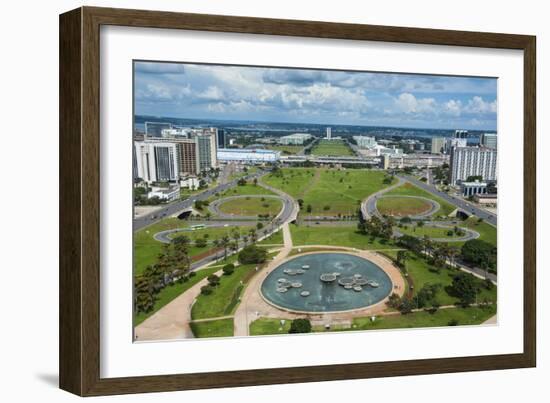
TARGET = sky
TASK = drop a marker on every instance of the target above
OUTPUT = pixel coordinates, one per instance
(197, 91)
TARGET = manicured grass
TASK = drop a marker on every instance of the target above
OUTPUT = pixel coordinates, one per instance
(409, 189)
(402, 206)
(487, 232)
(332, 147)
(432, 232)
(464, 316)
(251, 206)
(328, 191)
(265, 326)
(423, 273)
(248, 189)
(335, 235)
(285, 149)
(169, 293)
(213, 328)
(221, 301)
(147, 249)
(275, 239)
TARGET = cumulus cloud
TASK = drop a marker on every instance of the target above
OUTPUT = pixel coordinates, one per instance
(408, 103)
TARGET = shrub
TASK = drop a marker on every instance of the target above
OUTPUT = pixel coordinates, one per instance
(228, 269)
(213, 280)
(206, 290)
(252, 254)
(300, 326)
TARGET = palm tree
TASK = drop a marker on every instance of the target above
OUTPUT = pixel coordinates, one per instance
(224, 243)
(253, 235)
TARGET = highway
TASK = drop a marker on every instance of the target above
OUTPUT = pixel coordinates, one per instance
(180, 205)
(460, 203)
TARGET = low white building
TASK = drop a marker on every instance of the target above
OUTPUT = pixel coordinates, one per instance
(189, 182)
(248, 156)
(166, 194)
(295, 139)
(365, 141)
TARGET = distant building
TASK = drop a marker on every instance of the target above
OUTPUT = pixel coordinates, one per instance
(488, 140)
(488, 199)
(295, 139)
(365, 141)
(473, 161)
(385, 161)
(461, 134)
(188, 156)
(246, 155)
(154, 129)
(156, 161)
(438, 145)
(207, 151)
(329, 133)
(473, 188)
(168, 194)
(454, 142)
(189, 182)
(220, 133)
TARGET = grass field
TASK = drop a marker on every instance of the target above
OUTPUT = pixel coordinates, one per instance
(146, 248)
(402, 206)
(168, 294)
(263, 326)
(224, 299)
(329, 192)
(409, 189)
(335, 235)
(285, 149)
(251, 206)
(422, 273)
(335, 148)
(273, 239)
(248, 189)
(486, 231)
(213, 328)
(432, 232)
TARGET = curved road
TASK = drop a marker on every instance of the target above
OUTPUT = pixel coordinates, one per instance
(214, 207)
(368, 206)
(434, 206)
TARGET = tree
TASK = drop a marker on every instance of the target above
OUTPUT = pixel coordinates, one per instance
(206, 290)
(464, 287)
(213, 280)
(241, 182)
(255, 181)
(252, 254)
(480, 253)
(228, 269)
(200, 242)
(309, 208)
(259, 226)
(300, 326)
(402, 257)
(224, 243)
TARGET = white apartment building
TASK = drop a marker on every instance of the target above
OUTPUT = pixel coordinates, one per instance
(473, 161)
(295, 139)
(438, 145)
(156, 161)
(488, 140)
(454, 142)
(365, 141)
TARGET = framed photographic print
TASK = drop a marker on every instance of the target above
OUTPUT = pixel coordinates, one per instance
(251, 201)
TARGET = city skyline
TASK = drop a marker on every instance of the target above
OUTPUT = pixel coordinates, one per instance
(283, 95)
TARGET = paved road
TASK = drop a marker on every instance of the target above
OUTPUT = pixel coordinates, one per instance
(164, 236)
(462, 204)
(368, 206)
(180, 205)
(468, 233)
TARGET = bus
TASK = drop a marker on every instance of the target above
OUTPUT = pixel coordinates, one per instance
(197, 226)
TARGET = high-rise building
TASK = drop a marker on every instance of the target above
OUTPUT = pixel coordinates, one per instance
(461, 134)
(438, 145)
(156, 161)
(154, 129)
(220, 134)
(454, 142)
(473, 161)
(329, 133)
(488, 140)
(207, 149)
(365, 141)
(188, 162)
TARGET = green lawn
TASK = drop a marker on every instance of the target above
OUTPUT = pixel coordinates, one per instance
(487, 232)
(335, 148)
(464, 316)
(432, 232)
(409, 189)
(285, 149)
(146, 248)
(213, 328)
(336, 236)
(167, 294)
(402, 206)
(224, 299)
(422, 273)
(248, 189)
(251, 206)
(328, 191)
(264, 326)
(273, 239)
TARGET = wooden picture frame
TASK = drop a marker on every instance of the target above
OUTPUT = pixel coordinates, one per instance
(79, 346)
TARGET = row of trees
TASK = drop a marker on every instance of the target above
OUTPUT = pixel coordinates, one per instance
(172, 265)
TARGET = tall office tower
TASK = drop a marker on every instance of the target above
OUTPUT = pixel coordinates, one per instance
(461, 134)
(328, 133)
(488, 140)
(438, 145)
(454, 142)
(188, 156)
(220, 133)
(156, 162)
(473, 161)
(207, 151)
(154, 129)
